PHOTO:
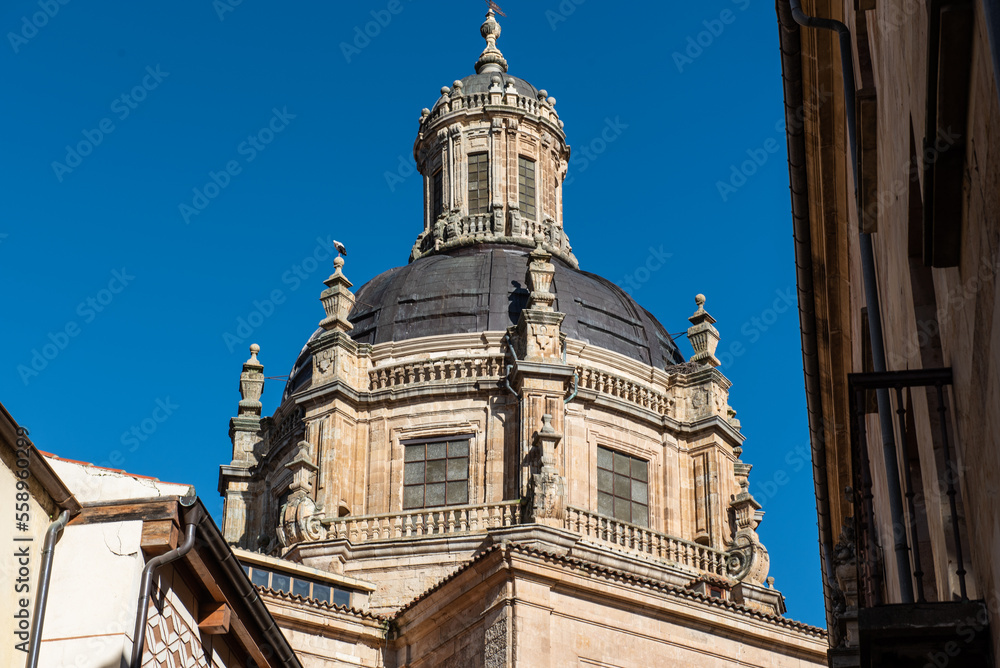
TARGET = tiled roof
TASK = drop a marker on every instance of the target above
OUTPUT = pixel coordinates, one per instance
(615, 574)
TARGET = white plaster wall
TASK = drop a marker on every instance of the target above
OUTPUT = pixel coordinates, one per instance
(92, 599)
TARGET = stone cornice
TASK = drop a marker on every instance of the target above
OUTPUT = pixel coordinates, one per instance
(482, 342)
(422, 368)
(440, 119)
(506, 555)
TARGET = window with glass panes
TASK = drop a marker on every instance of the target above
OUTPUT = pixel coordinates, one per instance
(436, 473)
(291, 584)
(479, 188)
(437, 194)
(622, 487)
(526, 186)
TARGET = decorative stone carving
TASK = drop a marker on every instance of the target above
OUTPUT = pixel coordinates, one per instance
(491, 60)
(844, 593)
(338, 300)
(497, 643)
(299, 518)
(703, 336)
(245, 428)
(548, 488)
(748, 559)
(540, 275)
(251, 385)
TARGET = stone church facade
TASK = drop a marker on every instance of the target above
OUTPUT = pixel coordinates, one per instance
(489, 457)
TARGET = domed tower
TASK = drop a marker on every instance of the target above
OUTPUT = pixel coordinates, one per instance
(493, 155)
(488, 404)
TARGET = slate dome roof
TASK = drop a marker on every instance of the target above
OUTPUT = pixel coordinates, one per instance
(482, 288)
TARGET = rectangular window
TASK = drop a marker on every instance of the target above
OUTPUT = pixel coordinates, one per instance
(437, 195)
(479, 183)
(526, 186)
(622, 487)
(298, 586)
(436, 474)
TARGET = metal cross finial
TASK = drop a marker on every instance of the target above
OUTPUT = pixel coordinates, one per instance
(495, 7)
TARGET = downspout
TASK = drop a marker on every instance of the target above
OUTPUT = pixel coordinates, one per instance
(872, 300)
(52, 535)
(576, 378)
(142, 613)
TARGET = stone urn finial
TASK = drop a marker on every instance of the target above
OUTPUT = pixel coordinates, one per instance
(337, 299)
(251, 385)
(491, 60)
(540, 275)
(703, 336)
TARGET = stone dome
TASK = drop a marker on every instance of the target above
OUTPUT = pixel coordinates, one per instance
(482, 288)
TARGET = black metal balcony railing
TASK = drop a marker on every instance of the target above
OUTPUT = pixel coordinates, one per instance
(897, 624)
(904, 528)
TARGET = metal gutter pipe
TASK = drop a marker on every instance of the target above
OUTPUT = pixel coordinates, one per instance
(791, 65)
(259, 613)
(142, 612)
(872, 300)
(52, 535)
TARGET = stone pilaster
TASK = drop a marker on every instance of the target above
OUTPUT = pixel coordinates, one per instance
(548, 487)
(540, 376)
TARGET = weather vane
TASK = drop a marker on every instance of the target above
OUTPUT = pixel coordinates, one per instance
(495, 7)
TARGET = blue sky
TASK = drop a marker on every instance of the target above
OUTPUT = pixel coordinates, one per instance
(169, 170)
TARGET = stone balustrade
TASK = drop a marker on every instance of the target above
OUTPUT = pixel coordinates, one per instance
(423, 522)
(632, 538)
(616, 386)
(458, 102)
(434, 370)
